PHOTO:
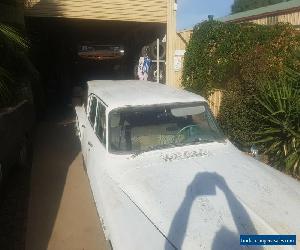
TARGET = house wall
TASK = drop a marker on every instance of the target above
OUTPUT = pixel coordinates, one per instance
(181, 41)
(121, 10)
(171, 36)
(182, 38)
(292, 18)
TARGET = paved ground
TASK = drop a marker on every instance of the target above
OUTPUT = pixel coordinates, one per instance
(61, 213)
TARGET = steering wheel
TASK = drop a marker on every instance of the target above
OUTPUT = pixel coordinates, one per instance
(189, 129)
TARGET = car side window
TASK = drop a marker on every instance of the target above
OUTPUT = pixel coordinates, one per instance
(100, 129)
(92, 110)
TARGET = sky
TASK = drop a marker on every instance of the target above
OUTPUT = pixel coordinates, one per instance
(191, 12)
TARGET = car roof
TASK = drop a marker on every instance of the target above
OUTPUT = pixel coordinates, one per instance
(124, 93)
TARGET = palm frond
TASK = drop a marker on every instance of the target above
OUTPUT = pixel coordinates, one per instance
(13, 36)
(279, 138)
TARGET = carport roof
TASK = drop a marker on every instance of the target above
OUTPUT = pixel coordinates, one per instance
(124, 93)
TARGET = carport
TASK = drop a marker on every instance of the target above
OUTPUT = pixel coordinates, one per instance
(57, 28)
(61, 212)
(56, 41)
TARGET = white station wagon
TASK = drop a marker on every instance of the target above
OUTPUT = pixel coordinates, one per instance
(163, 175)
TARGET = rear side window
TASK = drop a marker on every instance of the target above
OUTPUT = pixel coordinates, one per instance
(101, 123)
(92, 110)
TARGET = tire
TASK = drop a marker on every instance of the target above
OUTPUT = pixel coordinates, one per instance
(153, 73)
(162, 50)
(145, 51)
(25, 153)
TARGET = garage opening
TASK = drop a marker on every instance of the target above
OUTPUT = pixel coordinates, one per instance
(59, 47)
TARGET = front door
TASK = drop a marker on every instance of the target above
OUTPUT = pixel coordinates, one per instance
(97, 153)
(89, 129)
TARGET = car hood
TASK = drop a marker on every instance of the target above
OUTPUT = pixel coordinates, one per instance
(205, 196)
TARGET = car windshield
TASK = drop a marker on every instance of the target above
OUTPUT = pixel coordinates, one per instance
(162, 126)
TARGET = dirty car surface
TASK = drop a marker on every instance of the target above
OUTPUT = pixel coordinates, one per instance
(164, 176)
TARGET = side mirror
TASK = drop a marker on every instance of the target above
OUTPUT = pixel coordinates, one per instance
(254, 151)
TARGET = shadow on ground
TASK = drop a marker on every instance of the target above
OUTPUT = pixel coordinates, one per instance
(55, 148)
(61, 212)
(13, 209)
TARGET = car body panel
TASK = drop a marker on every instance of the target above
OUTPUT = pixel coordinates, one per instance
(129, 93)
(200, 201)
(124, 224)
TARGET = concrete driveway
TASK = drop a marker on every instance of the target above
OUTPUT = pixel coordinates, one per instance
(62, 213)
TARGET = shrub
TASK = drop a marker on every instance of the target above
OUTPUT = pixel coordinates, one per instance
(14, 64)
(279, 136)
(238, 58)
(237, 115)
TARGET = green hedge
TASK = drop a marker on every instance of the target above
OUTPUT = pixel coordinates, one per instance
(238, 116)
(238, 58)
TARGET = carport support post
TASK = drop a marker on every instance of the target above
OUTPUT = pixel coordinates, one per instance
(158, 60)
(171, 36)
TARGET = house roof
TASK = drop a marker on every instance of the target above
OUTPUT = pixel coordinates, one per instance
(126, 93)
(279, 8)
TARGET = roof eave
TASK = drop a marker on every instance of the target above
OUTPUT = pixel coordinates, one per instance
(263, 15)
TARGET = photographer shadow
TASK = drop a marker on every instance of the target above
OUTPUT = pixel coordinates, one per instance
(204, 184)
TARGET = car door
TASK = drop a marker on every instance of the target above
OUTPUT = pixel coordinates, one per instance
(81, 123)
(89, 129)
(97, 140)
(97, 153)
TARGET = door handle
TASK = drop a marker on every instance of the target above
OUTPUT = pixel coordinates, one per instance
(90, 144)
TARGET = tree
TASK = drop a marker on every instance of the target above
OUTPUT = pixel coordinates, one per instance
(238, 58)
(256, 67)
(244, 5)
(12, 46)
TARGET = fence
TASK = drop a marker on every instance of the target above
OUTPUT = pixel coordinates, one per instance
(214, 101)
